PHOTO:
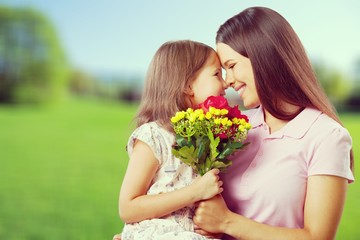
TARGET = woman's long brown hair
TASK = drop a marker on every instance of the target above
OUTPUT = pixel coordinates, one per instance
(282, 70)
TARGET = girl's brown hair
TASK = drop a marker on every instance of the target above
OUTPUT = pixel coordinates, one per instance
(282, 70)
(171, 71)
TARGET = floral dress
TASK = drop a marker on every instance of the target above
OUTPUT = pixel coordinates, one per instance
(171, 175)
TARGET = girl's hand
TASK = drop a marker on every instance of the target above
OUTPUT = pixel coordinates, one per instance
(210, 215)
(208, 185)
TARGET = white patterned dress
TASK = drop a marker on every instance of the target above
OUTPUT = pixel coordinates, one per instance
(171, 175)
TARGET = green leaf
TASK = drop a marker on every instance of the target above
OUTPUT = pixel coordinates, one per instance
(235, 145)
(187, 155)
(208, 163)
(222, 166)
(181, 141)
(226, 152)
(202, 144)
(214, 143)
(185, 152)
(230, 148)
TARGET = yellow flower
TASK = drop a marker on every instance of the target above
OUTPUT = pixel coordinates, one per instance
(224, 121)
(180, 115)
(217, 121)
(248, 126)
(242, 121)
(212, 110)
(201, 116)
(174, 119)
(224, 111)
(199, 111)
(208, 115)
(192, 118)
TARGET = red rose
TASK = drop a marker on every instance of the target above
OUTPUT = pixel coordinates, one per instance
(234, 112)
(218, 102)
(222, 136)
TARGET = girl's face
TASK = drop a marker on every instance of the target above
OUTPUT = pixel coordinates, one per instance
(208, 81)
(239, 74)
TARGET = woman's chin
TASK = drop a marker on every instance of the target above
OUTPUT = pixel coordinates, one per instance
(250, 105)
(245, 103)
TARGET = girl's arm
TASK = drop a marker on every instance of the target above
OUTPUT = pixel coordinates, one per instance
(324, 204)
(135, 205)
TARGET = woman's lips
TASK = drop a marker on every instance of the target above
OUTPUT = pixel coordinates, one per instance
(240, 89)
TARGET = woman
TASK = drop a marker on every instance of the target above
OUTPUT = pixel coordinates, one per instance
(291, 181)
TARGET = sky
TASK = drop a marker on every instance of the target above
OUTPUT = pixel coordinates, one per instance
(118, 36)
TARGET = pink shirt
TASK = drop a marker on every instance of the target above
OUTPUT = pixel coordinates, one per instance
(267, 180)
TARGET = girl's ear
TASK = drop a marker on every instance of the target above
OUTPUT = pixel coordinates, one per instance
(189, 91)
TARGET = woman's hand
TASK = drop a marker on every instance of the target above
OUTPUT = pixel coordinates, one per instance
(207, 234)
(210, 215)
(208, 185)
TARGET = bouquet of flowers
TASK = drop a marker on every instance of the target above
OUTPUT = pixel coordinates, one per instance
(208, 135)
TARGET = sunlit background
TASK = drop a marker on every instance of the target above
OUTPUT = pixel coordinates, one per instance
(71, 75)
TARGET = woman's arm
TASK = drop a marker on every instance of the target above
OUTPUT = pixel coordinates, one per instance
(323, 208)
(135, 205)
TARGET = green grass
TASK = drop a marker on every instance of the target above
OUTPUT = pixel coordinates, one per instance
(61, 169)
(349, 226)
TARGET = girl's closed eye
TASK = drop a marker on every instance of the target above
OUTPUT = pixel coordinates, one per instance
(217, 73)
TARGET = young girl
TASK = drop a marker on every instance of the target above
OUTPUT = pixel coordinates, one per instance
(158, 191)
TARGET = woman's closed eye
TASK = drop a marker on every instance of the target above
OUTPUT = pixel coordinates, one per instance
(231, 66)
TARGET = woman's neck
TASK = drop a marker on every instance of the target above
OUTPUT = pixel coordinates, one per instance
(276, 124)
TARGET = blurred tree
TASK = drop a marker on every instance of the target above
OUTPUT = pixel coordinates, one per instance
(336, 86)
(353, 102)
(81, 83)
(357, 75)
(33, 67)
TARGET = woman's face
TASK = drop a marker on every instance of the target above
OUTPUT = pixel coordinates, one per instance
(208, 81)
(239, 74)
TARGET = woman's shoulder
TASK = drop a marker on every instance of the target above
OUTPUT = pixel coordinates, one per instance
(328, 124)
(326, 129)
(329, 148)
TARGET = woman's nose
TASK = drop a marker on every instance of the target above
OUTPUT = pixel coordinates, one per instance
(229, 80)
(225, 85)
